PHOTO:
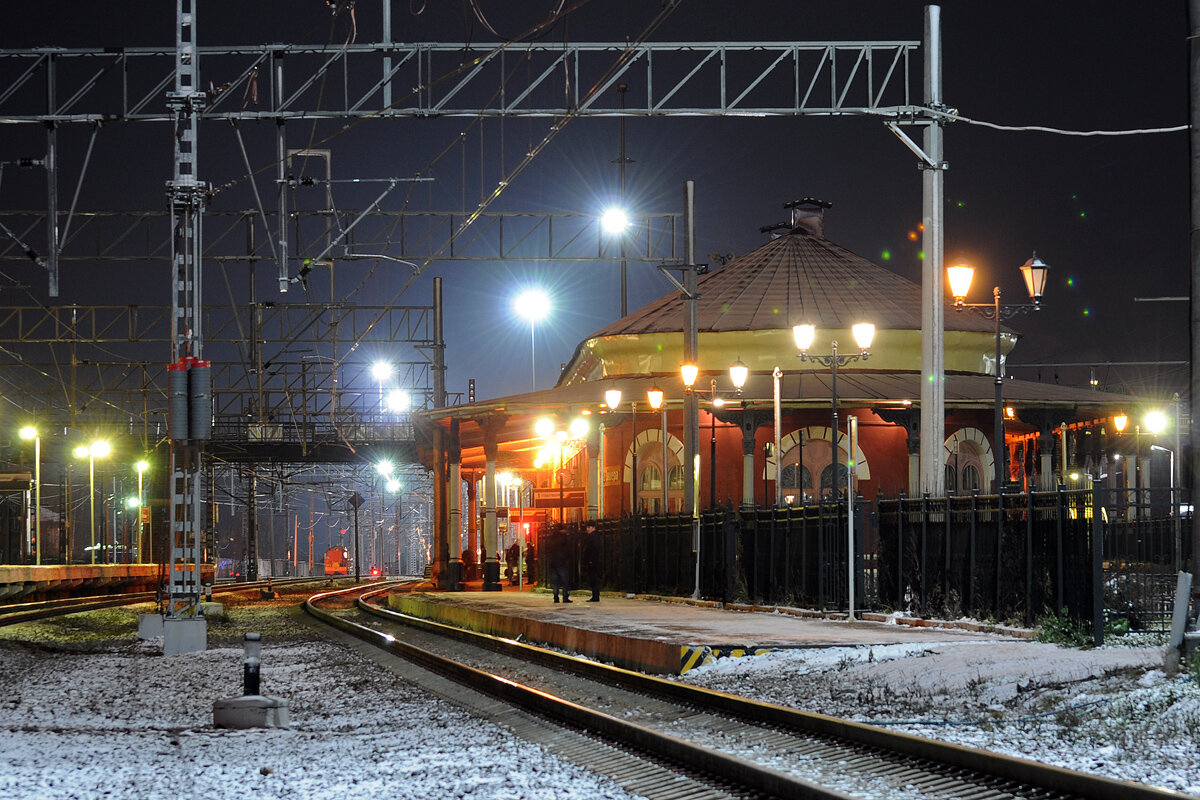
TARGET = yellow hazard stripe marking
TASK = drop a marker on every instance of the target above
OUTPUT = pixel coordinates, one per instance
(692, 657)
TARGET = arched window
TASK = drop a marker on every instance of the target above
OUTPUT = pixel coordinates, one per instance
(970, 478)
(827, 481)
(951, 479)
(651, 479)
(797, 479)
(675, 482)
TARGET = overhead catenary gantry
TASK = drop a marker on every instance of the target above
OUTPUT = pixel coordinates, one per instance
(362, 81)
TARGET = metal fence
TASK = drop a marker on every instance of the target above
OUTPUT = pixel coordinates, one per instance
(1007, 558)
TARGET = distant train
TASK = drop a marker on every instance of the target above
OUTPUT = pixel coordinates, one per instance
(337, 561)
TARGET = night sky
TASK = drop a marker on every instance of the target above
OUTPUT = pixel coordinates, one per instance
(1109, 214)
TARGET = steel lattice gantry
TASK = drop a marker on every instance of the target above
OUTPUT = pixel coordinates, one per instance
(282, 83)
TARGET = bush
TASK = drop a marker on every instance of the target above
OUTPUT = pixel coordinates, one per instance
(1065, 630)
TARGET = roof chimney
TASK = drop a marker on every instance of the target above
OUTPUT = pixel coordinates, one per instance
(808, 215)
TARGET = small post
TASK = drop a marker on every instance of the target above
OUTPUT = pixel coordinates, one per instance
(252, 664)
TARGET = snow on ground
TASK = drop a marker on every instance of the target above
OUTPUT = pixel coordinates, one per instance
(87, 711)
(1109, 711)
(99, 716)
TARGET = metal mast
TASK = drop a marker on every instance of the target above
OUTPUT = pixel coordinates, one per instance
(187, 393)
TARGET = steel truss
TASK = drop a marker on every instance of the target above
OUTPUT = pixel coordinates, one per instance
(481, 79)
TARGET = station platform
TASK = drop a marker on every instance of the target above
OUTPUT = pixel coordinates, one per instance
(663, 635)
(51, 581)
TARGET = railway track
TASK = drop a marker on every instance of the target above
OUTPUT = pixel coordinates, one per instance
(14, 613)
(715, 741)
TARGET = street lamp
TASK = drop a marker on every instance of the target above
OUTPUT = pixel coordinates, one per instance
(511, 480)
(534, 305)
(738, 374)
(398, 401)
(655, 395)
(1035, 272)
(381, 371)
(97, 449)
(804, 334)
(29, 432)
(141, 466)
(615, 221)
(575, 431)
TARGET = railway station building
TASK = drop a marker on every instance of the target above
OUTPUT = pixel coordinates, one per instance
(576, 451)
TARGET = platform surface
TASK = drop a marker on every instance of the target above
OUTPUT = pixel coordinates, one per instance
(619, 628)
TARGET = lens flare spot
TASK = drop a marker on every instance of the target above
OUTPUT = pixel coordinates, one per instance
(886, 255)
(1070, 281)
(912, 236)
(1087, 312)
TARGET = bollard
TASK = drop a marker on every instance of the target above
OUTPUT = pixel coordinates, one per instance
(252, 710)
(252, 664)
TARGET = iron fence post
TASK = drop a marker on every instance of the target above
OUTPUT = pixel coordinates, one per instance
(924, 567)
(1097, 568)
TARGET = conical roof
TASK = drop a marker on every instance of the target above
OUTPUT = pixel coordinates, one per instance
(798, 277)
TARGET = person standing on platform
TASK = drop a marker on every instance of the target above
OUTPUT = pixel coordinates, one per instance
(559, 555)
(590, 560)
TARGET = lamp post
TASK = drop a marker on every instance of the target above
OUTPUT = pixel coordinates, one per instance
(804, 334)
(738, 374)
(141, 466)
(511, 480)
(777, 380)
(534, 305)
(29, 432)
(385, 468)
(1035, 272)
(381, 371)
(97, 449)
(655, 396)
(575, 431)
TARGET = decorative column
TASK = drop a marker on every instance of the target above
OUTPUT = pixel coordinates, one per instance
(750, 421)
(472, 512)
(491, 563)
(1046, 460)
(593, 471)
(454, 500)
(441, 555)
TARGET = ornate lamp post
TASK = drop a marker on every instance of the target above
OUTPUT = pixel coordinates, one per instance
(738, 374)
(864, 334)
(1035, 272)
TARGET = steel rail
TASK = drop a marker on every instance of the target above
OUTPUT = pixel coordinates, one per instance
(16, 613)
(1009, 768)
(736, 770)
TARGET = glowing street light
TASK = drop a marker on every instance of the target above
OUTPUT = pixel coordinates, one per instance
(1035, 272)
(546, 428)
(141, 466)
(534, 305)
(398, 401)
(381, 371)
(97, 449)
(29, 432)
(864, 334)
(614, 220)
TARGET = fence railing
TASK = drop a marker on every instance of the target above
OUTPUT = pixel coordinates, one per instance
(1008, 558)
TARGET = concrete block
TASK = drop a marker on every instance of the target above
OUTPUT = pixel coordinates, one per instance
(184, 635)
(212, 610)
(251, 711)
(150, 626)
